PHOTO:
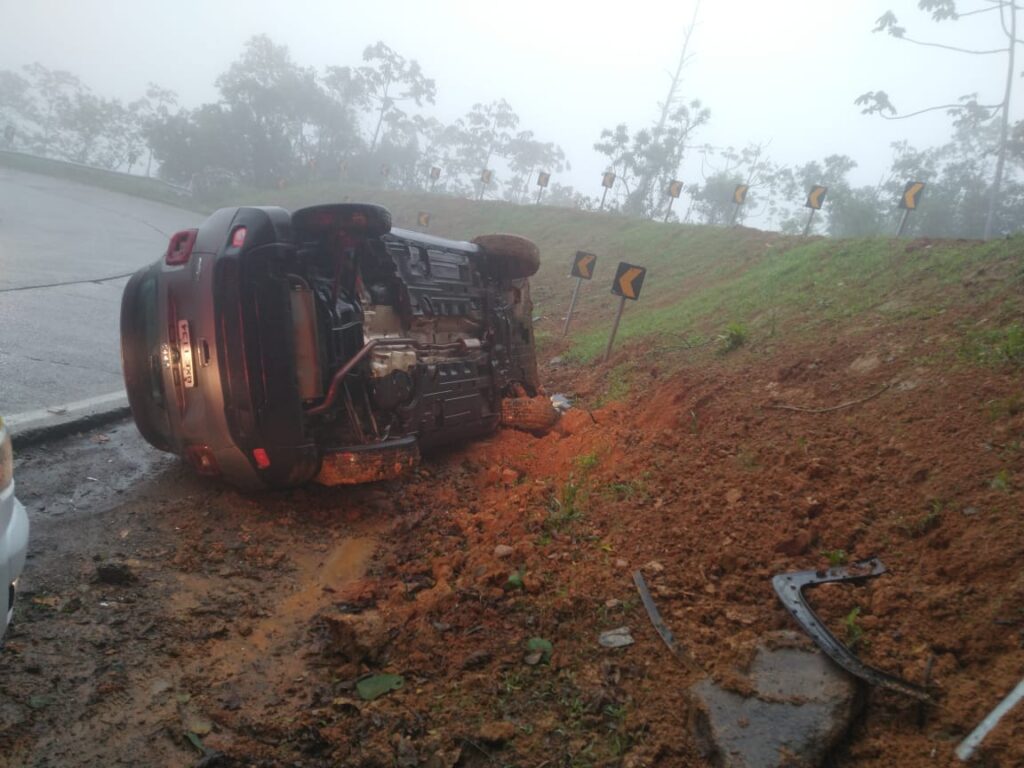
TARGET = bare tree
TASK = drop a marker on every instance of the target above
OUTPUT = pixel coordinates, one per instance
(967, 107)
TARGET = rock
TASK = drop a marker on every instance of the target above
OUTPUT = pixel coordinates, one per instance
(556, 361)
(621, 564)
(504, 550)
(497, 732)
(117, 574)
(612, 604)
(733, 495)
(509, 476)
(802, 708)
(615, 638)
(654, 567)
(492, 475)
(358, 637)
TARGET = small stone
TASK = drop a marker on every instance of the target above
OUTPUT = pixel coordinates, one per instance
(654, 567)
(615, 638)
(621, 564)
(509, 476)
(555, 361)
(970, 511)
(733, 495)
(613, 604)
(504, 550)
(497, 732)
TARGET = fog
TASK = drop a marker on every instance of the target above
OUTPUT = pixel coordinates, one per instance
(783, 73)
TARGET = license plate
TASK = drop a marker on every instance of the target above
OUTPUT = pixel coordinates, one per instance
(188, 371)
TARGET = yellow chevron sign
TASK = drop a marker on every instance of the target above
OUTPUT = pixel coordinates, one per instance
(675, 189)
(911, 195)
(583, 265)
(543, 178)
(629, 279)
(423, 219)
(816, 197)
(739, 196)
(608, 180)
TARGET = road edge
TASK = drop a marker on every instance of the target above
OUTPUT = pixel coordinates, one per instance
(40, 426)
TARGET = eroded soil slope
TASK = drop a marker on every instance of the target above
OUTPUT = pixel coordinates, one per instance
(173, 607)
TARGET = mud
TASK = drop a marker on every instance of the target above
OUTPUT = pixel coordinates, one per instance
(231, 631)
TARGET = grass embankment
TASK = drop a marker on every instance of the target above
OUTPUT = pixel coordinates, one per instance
(705, 286)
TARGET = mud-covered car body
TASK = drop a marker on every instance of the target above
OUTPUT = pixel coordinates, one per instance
(274, 348)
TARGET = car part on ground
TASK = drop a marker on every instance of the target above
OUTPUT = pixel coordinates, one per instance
(659, 624)
(274, 348)
(789, 587)
(965, 750)
(13, 533)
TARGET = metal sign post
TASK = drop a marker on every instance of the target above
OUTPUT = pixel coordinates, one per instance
(815, 199)
(629, 279)
(542, 181)
(739, 197)
(582, 269)
(675, 189)
(908, 202)
(607, 181)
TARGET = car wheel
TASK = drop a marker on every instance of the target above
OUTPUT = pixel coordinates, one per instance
(531, 414)
(509, 257)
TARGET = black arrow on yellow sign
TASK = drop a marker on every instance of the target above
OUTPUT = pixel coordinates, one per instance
(675, 189)
(911, 195)
(423, 219)
(816, 197)
(739, 196)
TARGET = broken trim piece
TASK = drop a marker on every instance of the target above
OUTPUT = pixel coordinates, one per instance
(659, 624)
(789, 586)
(966, 748)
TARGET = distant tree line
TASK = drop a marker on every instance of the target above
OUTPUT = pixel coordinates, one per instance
(278, 122)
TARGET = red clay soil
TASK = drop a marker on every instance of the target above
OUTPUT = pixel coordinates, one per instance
(274, 607)
(700, 481)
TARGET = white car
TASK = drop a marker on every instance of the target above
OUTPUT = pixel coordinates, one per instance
(13, 532)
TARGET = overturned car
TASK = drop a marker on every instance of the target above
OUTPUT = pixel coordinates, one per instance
(275, 348)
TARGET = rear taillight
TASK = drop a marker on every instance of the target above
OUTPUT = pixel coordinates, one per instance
(202, 460)
(238, 237)
(261, 458)
(6, 458)
(180, 248)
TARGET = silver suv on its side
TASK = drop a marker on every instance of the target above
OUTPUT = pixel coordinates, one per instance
(271, 347)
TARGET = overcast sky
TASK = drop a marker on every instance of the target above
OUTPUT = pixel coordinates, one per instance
(785, 71)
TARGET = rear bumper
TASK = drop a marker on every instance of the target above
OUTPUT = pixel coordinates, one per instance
(13, 548)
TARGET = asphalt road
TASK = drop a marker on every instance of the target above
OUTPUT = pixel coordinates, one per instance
(60, 345)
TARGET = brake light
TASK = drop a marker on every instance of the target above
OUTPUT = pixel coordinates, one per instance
(202, 460)
(180, 248)
(261, 457)
(238, 237)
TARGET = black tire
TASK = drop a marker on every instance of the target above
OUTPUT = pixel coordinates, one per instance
(509, 257)
(530, 414)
